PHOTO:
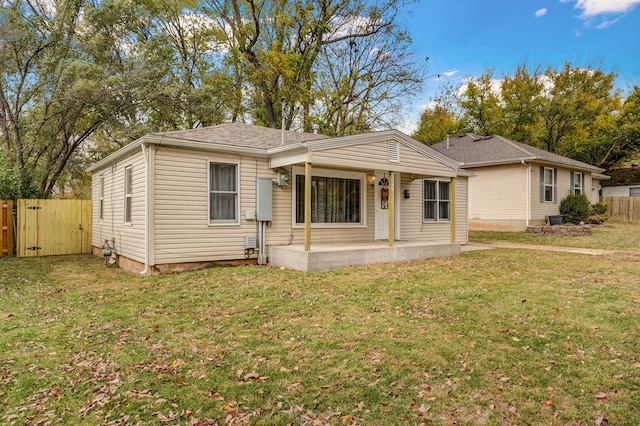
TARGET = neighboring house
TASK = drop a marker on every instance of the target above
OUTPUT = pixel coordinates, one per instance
(623, 182)
(517, 185)
(299, 200)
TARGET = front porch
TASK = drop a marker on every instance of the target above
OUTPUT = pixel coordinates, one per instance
(331, 256)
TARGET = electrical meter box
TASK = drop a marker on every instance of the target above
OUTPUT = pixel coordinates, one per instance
(264, 199)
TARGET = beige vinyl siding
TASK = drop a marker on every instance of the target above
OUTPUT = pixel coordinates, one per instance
(539, 211)
(181, 218)
(412, 227)
(375, 156)
(281, 230)
(461, 213)
(498, 193)
(129, 239)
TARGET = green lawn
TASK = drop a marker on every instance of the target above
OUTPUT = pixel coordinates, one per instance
(489, 337)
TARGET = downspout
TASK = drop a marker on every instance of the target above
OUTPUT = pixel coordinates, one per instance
(145, 154)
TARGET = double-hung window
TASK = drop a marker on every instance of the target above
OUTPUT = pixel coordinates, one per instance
(436, 200)
(223, 193)
(128, 194)
(577, 183)
(548, 184)
(337, 198)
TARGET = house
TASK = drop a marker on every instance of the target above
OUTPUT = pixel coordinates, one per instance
(238, 192)
(517, 185)
(623, 183)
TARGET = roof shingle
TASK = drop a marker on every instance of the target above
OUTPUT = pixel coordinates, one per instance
(241, 134)
(475, 151)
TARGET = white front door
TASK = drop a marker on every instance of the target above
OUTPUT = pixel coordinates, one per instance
(382, 206)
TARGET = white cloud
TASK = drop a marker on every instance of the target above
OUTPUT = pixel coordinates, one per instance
(592, 8)
(541, 12)
(450, 73)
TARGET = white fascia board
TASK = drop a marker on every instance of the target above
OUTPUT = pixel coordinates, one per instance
(373, 137)
(160, 140)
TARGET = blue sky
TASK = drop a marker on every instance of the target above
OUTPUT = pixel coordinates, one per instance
(464, 38)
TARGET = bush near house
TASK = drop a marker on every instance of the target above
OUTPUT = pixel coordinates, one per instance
(598, 213)
(574, 208)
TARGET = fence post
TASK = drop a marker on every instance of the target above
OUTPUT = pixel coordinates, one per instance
(6, 228)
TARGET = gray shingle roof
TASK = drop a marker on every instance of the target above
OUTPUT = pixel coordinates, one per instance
(241, 134)
(475, 151)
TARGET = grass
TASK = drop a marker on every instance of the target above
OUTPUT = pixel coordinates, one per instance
(611, 236)
(489, 337)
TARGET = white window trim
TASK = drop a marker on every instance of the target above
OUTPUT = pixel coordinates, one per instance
(101, 198)
(552, 185)
(362, 177)
(238, 192)
(575, 188)
(437, 181)
(127, 170)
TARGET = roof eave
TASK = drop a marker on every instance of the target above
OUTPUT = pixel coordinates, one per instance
(160, 140)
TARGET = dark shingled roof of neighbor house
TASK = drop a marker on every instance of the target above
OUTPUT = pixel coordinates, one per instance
(475, 151)
(623, 177)
(241, 134)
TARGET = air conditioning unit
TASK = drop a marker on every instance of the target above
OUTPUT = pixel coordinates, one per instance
(282, 178)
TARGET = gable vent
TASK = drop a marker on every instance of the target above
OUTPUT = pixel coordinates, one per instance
(393, 152)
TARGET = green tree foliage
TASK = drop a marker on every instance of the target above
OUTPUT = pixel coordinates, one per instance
(82, 78)
(572, 111)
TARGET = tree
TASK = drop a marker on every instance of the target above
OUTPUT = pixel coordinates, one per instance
(363, 84)
(481, 104)
(571, 111)
(440, 119)
(283, 41)
(51, 98)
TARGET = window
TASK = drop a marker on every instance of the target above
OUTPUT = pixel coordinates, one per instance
(101, 197)
(577, 183)
(548, 185)
(436, 201)
(634, 192)
(128, 193)
(334, 200)
(223, 193)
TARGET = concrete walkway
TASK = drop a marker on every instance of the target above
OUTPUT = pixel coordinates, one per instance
(473, 246)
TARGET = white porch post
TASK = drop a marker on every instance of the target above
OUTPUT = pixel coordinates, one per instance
(307, 206)
(392, 208)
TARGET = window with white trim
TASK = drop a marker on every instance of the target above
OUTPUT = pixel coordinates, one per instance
(577, 183)
(223, 193)
(128, 194)
(101, 197)
(436, 200)
(548, 184)
(337, 198)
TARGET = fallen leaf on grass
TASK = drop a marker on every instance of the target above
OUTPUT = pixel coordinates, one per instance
(601, 421)
(602, 396)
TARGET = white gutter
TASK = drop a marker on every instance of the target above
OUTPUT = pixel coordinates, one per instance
(145, 154)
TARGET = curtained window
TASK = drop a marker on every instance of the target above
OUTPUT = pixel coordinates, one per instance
(333, 200)
(223, 193)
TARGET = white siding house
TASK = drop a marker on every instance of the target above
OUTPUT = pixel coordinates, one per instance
(237, 192)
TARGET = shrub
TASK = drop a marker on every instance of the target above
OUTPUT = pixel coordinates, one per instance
(598, 213)
(574, 208)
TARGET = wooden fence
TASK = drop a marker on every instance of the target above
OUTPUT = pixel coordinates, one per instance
(53, 227)
(623, 209)
(6, 232)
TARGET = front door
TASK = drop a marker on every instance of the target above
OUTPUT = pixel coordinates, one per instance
(382, 206)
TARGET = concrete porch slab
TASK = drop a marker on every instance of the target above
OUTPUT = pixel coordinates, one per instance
(333, 256)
